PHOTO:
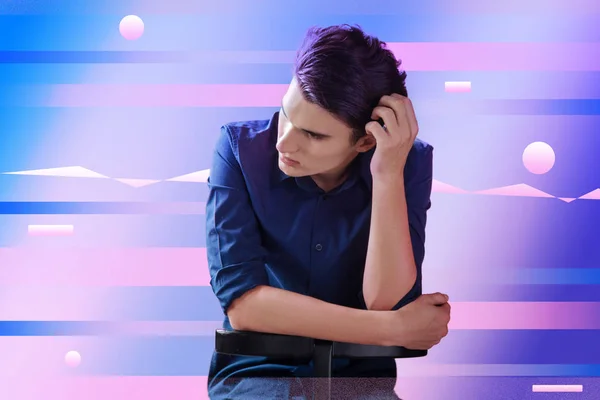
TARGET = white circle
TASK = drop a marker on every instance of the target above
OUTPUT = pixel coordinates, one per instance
(131, 27)
(539, 157)
(73, 358)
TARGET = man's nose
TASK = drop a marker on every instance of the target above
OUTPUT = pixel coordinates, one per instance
(286, 143)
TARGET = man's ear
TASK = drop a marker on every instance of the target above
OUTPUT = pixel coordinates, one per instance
(366, 143)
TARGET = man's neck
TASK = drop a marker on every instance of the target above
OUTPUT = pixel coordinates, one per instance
(327, 184)
(331, 180)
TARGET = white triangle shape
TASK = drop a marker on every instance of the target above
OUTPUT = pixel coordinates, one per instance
(137, 183)
(441, 187)
(593, 195)
(521, 189)
(198, 176)
(66, 172)
(567, 199)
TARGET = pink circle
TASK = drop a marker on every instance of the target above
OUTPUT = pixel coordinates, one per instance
(538, 158)
(131, 27)
(73, 358)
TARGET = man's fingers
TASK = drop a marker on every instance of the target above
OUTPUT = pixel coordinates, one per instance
(386, 114)
(409, 111)
(436, 298)
(377, 131)
(396, 105)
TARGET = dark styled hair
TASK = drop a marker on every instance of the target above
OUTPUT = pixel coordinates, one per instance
(345, 71)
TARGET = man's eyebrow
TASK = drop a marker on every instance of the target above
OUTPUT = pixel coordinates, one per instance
(302, 129)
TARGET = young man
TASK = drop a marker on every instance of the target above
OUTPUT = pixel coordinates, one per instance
(316, 222)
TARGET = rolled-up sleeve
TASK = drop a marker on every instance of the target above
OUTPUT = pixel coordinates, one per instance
(236, 258)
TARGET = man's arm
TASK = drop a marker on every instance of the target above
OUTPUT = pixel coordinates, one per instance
(397, 235)
(273, 310)
(239, 279)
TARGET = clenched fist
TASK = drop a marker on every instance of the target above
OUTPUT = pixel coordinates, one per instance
(419, 325)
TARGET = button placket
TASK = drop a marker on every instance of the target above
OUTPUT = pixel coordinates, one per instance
(319, 246)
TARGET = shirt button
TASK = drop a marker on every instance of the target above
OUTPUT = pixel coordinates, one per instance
(318, 247)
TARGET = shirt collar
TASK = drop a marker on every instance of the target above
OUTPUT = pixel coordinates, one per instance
(365, 167)
(360, 167)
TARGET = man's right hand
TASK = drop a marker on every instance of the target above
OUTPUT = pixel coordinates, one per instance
(421, 324)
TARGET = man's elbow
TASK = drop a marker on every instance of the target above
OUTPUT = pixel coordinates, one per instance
(236, 318)
(382, 304)
(239, 312)
(383, 301)
(378, 305)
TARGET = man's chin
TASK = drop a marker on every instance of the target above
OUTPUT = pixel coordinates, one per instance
(290, 171)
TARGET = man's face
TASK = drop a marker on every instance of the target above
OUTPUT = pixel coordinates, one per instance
(312, 142)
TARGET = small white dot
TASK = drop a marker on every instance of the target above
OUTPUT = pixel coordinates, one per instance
(73, 358)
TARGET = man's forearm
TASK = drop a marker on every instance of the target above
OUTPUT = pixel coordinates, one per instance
(390, 270)
(271, 310)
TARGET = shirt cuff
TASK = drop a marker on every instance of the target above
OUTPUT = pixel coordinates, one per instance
(233, 281)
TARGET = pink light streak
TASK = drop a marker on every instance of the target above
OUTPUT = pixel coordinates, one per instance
(497, 56)
(105, 267)
(557, 388)
(101, 388)
(50, 230)
(524, 315)
(457, 87)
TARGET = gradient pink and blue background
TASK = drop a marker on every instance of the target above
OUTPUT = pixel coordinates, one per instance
(128, 287)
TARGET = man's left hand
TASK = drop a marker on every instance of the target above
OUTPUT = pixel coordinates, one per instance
(395, 139)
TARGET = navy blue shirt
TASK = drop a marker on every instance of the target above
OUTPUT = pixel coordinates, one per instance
(266, 228)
